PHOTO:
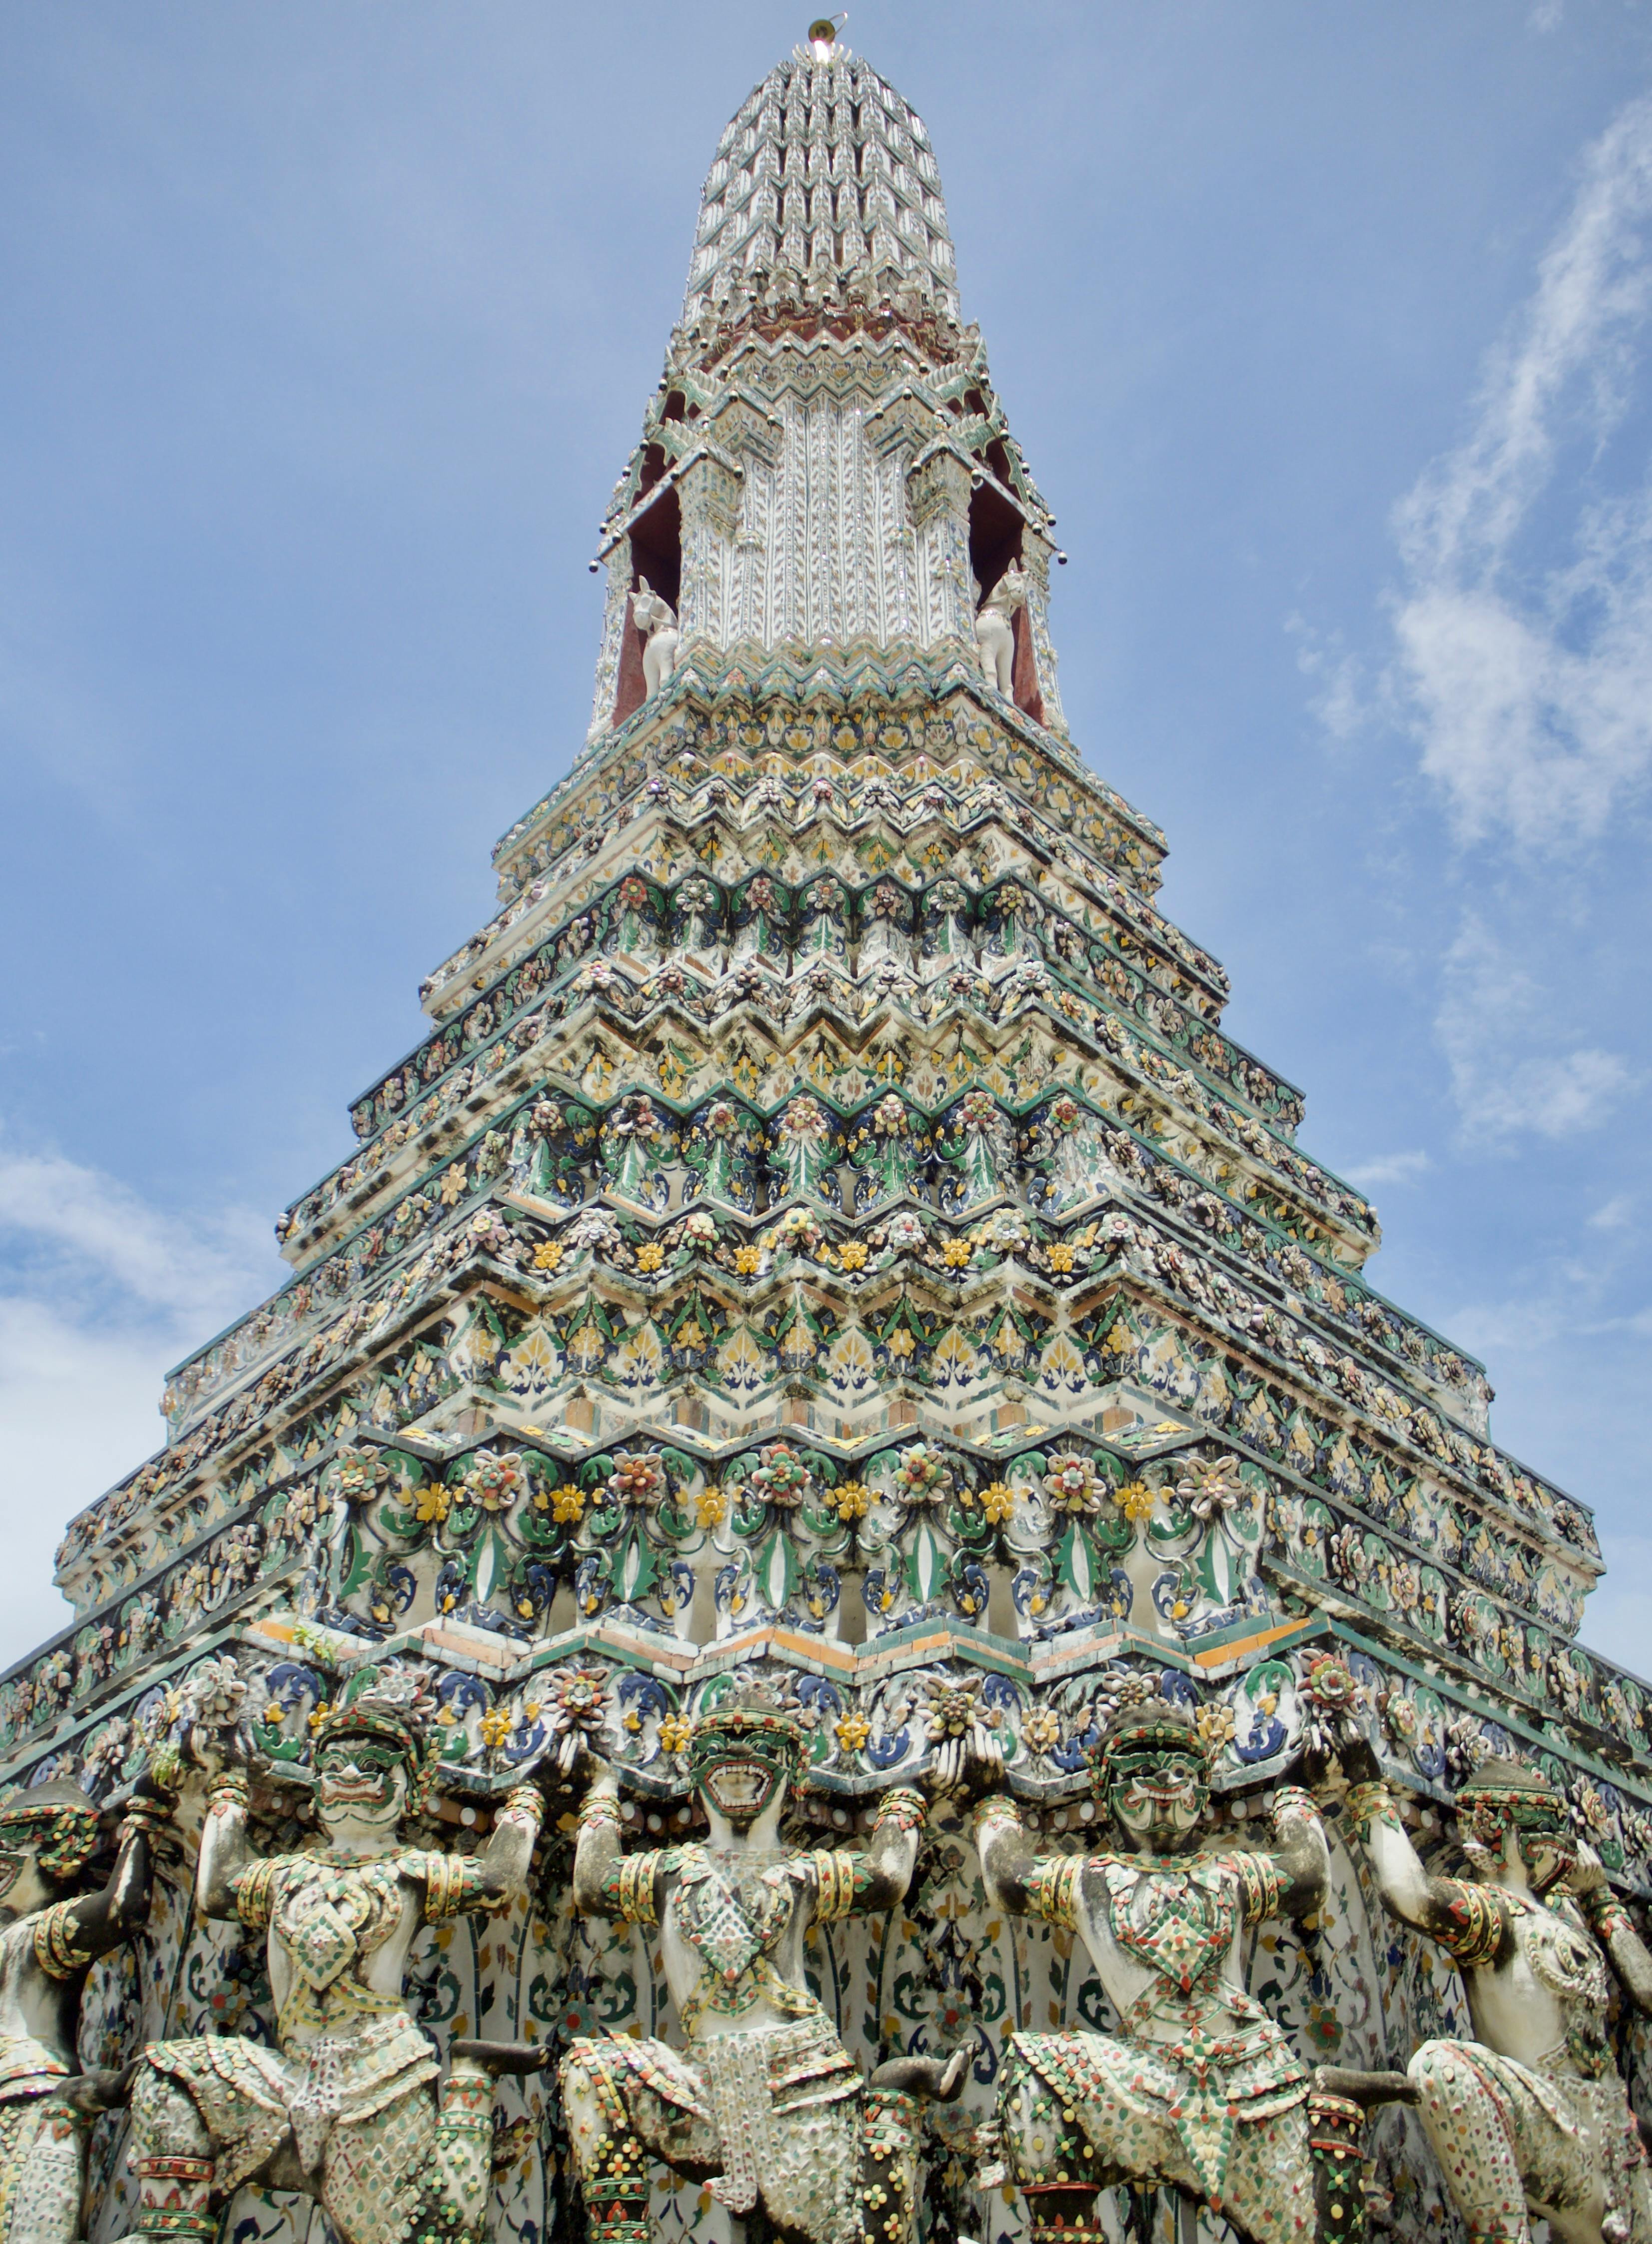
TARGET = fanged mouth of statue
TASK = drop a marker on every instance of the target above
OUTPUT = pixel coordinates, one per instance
(353, 1791)
(739, 1788)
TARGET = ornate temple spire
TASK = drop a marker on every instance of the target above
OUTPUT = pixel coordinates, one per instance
(824, 172)
(826, 480)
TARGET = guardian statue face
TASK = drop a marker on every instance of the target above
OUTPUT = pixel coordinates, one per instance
(1159, 1797)
(1153, 1773)
(1516, 1810)
(742, 1760)
(361, 1783)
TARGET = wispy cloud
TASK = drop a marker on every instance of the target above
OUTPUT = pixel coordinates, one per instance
(1530, 690)
(1617, 1214)
(1389, 1169)
(99, 1293)
(1510, 1076)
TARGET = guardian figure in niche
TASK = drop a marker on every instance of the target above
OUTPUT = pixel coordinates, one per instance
(995, 628)
(1202, 2090)
(1533, 2119)
(765, 2104)
(656, 620)
(345, 2109)
(50, 1937)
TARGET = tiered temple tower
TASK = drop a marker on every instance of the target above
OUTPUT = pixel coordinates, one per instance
(827, 1233)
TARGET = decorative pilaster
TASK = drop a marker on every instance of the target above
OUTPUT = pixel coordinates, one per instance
(615, 621)
(1036, 552)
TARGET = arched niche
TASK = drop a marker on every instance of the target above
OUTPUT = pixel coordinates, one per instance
(656, 554)
(996, 533)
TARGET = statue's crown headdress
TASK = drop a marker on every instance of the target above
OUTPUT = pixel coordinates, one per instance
(1501, 1796)
(747, 1716)
(394, 1705)
(1151, 1725)
(58, 1820)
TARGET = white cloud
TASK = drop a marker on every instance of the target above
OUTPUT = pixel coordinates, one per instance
(99, 1295)
(1389, 1169)
(1496, 1027)
(1339, 699)
(195, 1272)
(1531, 694)
(1615, 1214)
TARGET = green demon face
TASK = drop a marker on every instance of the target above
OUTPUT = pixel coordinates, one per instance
(1547, 1848)
(360, 1780)
(741, 1767)
(1157, 1795)
(1529, 1821)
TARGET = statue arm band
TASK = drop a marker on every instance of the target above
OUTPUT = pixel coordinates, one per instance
(903, 1806)
(1260, 1886)
(840, 1879)
(523, 1804)
(1053, 1890)
(629, 1892)
(1368, 1803)
(253, 1891)
(1605, 1914)
(452, 1883)
(998, 1812)
(1473, 1932)
(143, 1812)
(55, 1949)
(1293, 1805)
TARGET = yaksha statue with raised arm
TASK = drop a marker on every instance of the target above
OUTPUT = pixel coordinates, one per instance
(1201, 2089)
(50, 1937)
(766, 2104)
(345, 2108)
(1534, 2117)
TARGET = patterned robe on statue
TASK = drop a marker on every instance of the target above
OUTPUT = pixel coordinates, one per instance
(774, 2110)
(355, 2098)
(1508, 2133)
(1204, 2090)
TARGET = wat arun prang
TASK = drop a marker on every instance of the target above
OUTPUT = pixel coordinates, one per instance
(825, 1380)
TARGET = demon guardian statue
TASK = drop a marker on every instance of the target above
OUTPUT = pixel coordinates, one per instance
(345, 2109)
(1202, 2090)
(767, 2106)
(1533, 2118)
(48, 1942)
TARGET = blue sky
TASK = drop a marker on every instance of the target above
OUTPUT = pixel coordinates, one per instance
(1328, 332)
